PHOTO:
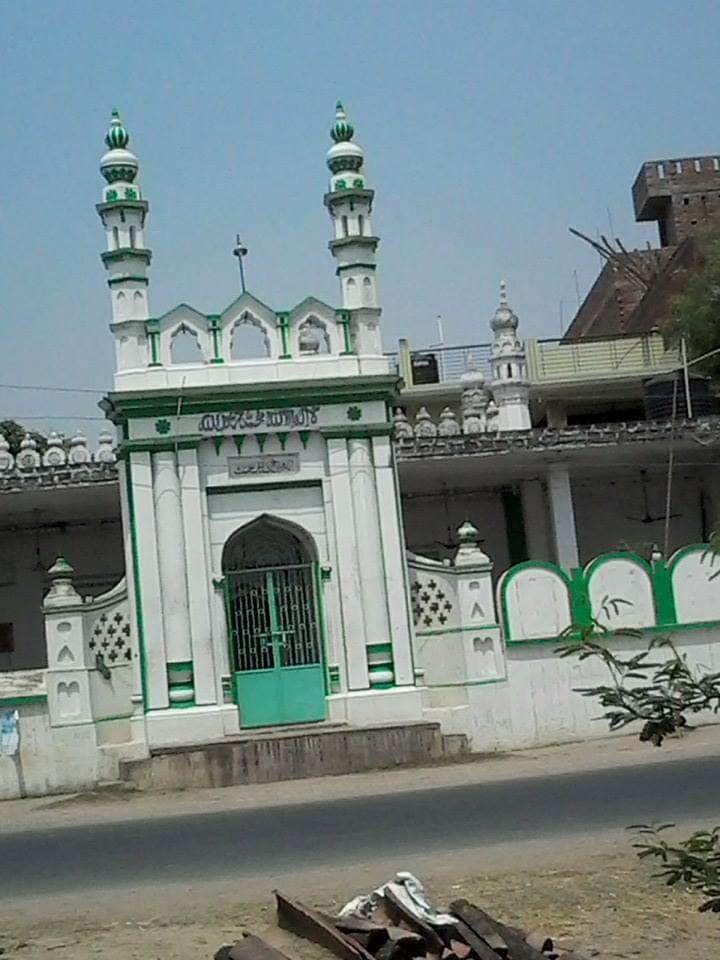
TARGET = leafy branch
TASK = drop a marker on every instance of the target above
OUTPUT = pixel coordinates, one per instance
(658, 693)
(695, 861)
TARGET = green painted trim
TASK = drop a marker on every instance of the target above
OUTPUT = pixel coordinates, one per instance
(361, 432)
(119, 716)
(342, 318)
(440, 632)
(218, 442)
(665, 610)
(304, 437)
(232, 648)
(255, 487)
(618, 634)
(467, 683)
(214, 327)
(119, 203)
(179, 666)
(126, 253)
(154, 338)
(283, 439)
(198, 400)
(683, 552)
(580, 606)
(322, 625)
(261, 439)
(136, 583)
(283, 324)
(379, 647)
(158, 444)
(239, 439)
(114, 281)
(21, 701)
(182, 706)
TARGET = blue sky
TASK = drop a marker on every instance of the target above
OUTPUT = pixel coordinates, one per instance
(489, 129)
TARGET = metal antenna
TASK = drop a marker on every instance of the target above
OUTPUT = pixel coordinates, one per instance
(240, 251)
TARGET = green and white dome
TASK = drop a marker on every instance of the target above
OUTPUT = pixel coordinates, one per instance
(343, 154)
(119, 163)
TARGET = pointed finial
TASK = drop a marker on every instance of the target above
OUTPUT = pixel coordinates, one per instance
(503, 293)
(117, 137)
(342, 130)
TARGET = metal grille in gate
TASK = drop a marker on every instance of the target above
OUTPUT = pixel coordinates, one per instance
(273, 618)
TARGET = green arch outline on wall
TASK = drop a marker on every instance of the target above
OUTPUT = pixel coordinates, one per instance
(510, 575)
(657, 586)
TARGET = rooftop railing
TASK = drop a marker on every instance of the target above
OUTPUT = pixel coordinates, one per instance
(549, 361)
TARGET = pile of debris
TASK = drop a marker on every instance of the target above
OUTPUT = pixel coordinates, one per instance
(397, 922)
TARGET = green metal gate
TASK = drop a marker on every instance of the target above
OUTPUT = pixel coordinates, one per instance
(274, 618)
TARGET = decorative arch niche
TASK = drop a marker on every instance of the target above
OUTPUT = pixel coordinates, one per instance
(249, 339)
(313, 337)
(185, 345)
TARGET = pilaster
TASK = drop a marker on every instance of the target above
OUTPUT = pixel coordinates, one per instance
(353, 614)
(197, 578)
(394, 562)
(371, 561)
(173, 581)
(148, 575)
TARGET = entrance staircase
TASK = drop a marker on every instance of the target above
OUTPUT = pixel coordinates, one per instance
(293, 753)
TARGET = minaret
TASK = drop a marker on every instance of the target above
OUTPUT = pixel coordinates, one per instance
(510, 385)
(349, 201)
(126, 258)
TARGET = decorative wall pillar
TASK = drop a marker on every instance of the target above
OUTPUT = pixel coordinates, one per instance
(537, 532)
(68, 674)
(371, 561)
(562, 514)
(393, 547)
(353, 615)
(197, 579)
(479, 623)
(173, 581)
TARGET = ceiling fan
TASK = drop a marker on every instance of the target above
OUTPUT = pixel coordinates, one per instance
(647, 517)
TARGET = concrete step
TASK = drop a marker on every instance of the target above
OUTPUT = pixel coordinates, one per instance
(292, 754)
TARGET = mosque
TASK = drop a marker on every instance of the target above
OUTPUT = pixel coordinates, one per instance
(295, 529)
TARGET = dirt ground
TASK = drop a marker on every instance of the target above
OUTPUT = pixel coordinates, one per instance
(611, 908)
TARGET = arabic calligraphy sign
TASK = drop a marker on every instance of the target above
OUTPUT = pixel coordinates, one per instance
(263, 465)
(287, 418)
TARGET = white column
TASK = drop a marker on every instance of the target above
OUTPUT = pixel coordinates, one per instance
(198, 578)
(138, 700)
(537, 534)
(369, 543)
(348, 573)
(393, 549)
(143, 517)
(563, 517)
(172, 563)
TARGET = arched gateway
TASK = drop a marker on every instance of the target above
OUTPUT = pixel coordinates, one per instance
(272, 603)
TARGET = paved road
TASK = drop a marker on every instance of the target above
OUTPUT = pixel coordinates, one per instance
(245, 842)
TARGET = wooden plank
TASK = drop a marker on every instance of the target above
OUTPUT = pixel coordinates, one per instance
(253, 948)
(368, 934)
(478, 921)
(480, 947)
(399, 913)
(310, 924)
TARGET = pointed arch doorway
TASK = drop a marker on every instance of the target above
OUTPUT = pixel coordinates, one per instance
(272, 602)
